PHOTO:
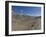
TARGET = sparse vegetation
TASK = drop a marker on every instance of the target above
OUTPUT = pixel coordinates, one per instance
(25, 22)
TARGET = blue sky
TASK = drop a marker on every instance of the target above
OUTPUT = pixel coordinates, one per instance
(31, 11)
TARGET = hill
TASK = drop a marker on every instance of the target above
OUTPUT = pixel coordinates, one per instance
(24, 22)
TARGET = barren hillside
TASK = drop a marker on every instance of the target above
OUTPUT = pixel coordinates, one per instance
(24, 22)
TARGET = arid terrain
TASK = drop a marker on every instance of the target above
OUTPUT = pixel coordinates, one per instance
(24, 22)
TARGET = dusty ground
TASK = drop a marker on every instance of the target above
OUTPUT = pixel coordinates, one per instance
(25, 23)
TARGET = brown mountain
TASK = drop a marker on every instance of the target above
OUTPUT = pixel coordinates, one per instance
(24, 22)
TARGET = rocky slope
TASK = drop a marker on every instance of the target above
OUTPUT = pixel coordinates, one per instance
(24, 22)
